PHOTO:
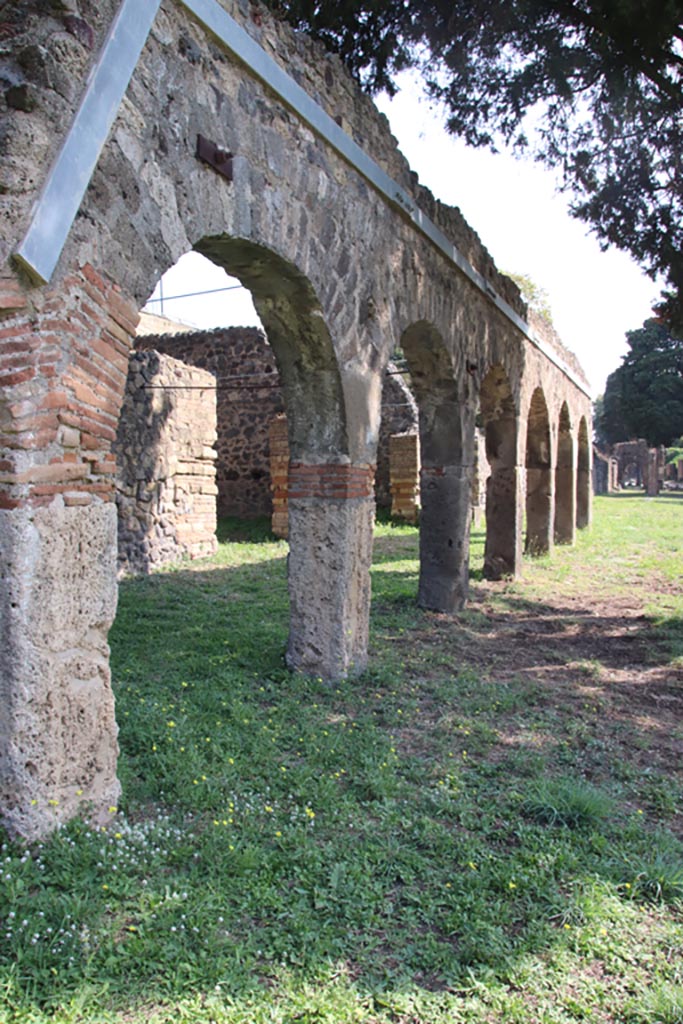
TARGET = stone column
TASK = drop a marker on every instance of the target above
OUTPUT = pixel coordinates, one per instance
(679, 471)
(444, 537)
(539, 510)
(652, 473)
(504, 504)
(58, 596)
(58, 737)
(331, 518)
(565, 505)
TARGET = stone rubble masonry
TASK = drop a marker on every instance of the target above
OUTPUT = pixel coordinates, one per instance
(404, 463)
(166, 463)
(399, 416)
(279, 470)
(248, 396)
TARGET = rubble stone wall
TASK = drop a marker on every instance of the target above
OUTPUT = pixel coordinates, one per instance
(248, 397)
(166, 463)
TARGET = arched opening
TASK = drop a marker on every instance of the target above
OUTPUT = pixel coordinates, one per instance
(445, 473)
(583, 477)
(539, 492)
(502, 553)
(330, 507)
(565, 491)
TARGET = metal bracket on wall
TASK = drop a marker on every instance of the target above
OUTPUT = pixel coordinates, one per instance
(214, 156)
(57, 206)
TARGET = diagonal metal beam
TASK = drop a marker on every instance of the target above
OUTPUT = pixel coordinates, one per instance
(56, 208)
(58, 204)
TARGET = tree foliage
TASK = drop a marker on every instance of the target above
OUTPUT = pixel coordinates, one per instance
(590, 87)
(644, 396)
(533, 294)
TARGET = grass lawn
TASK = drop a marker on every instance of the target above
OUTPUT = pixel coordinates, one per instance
(486, 826)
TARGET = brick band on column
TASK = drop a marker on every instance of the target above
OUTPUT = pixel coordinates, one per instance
(330, 481)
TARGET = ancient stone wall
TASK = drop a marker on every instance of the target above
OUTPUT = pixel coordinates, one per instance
(399, 416)
(340, 276)
(248, 397)
(166, 463)
(404, 473)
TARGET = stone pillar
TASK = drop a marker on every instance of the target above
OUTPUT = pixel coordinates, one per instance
(331, 518)
(279, 469)
(652, 473)
(504, 504)
(539, 510)
(613, 484)
(67, 363)
(444, 537)
(565, 505)
(404, 473)
(584, 490)
(58, 595)
(679, 470)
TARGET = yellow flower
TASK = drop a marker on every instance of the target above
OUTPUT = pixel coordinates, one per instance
(171, 725)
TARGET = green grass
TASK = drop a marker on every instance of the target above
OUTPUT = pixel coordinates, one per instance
(485, 827)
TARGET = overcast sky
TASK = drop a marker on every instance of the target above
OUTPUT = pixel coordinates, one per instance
(594, 296)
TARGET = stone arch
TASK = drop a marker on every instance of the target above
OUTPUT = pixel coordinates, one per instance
(539, 489)
(445, 473)
(583, 477)
(499, 418)
(565, 491)
(291, 314)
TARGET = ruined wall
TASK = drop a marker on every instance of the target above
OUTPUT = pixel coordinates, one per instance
(165, 480)
(339, 275)
(248, 397)
(399, 416)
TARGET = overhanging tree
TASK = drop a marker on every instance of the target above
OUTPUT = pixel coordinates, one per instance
(591, 87)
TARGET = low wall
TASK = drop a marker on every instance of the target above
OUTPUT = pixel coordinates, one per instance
(166, 463)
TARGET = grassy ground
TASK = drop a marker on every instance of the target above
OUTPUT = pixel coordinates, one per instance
(487, 826)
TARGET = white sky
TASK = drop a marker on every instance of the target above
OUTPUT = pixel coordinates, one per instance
(594, 296)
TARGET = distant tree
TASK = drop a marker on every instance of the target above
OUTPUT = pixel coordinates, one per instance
(592, 88)
(534, 296)
(644, 396)
(608, 419)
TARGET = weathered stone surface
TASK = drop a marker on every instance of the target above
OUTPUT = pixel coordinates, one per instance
(444, 537)
(58, 744)
(166, 463)
(339, 278)
(329, 585)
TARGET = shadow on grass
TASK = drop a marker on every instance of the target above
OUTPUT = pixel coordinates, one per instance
(383, 834)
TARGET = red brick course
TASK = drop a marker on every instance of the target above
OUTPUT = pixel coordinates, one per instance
(63, 372)
(330, 481)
